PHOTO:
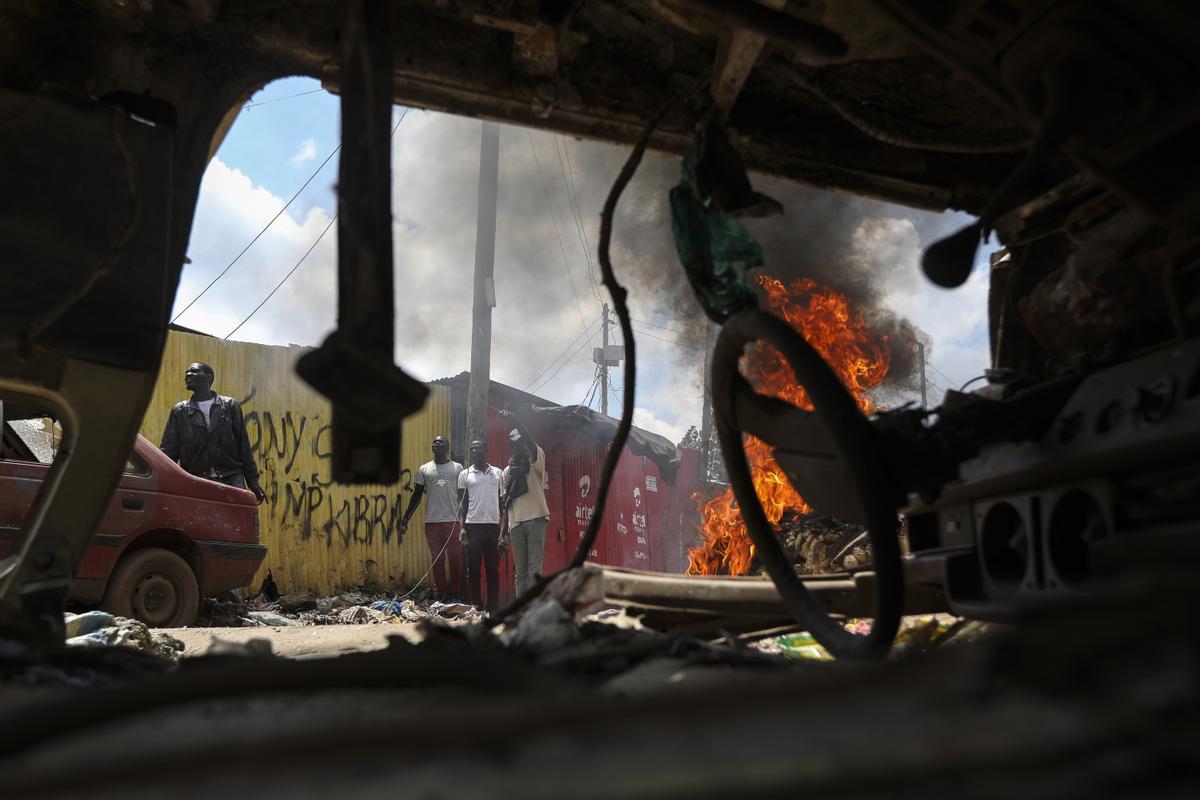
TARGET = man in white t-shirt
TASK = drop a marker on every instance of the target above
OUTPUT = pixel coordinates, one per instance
(524, 498)
(438, 480)
(481, 529)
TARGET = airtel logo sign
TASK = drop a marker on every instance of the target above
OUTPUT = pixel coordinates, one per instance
(585, 486)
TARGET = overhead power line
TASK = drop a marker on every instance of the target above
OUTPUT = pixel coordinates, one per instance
(559, 369)
(285, 277)
(554, 219)
(668, 341)
(657, 325)
(587, 330)
(945, 377)
(292, 271)
(258, 235)
(280, 99)
(590, 394)
(574, 204)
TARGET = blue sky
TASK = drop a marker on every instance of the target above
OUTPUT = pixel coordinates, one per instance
(547, 291)
(275, 120)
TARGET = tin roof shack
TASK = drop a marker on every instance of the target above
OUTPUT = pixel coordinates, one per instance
(650, 521)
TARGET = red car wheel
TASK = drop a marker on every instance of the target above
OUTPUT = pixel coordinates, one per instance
(155, 586)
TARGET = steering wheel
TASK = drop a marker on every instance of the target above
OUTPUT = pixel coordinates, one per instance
(831, 455)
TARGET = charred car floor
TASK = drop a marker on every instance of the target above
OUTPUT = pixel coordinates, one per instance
(1097, 701)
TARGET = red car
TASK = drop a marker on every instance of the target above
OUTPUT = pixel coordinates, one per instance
(168, 539)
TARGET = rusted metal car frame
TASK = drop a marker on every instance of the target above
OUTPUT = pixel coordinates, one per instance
(1064, 125)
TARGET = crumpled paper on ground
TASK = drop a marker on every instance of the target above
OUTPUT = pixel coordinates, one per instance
(361, 615)
(99, 629)
(455, 610)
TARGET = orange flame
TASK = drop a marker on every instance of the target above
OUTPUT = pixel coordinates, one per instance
(838, 332)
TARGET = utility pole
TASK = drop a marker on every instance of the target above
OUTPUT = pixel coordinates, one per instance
(604, 365)
(605, 356)
(485, 286)
(921, 356)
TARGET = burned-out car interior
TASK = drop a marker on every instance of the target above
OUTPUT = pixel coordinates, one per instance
(1057, 498)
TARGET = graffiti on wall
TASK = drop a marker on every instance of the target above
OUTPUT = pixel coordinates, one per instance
(308, 501)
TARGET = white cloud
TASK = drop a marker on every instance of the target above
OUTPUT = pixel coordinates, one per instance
(648, 420)
(954, 319)
(306, 152)
(230, 212)
(539, 308)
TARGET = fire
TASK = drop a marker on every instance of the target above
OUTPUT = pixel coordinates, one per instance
(839, 333)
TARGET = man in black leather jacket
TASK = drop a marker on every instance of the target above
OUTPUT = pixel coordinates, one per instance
(207, 434)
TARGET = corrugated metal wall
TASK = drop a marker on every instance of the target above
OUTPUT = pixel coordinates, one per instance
(321, 537)
(648, 523)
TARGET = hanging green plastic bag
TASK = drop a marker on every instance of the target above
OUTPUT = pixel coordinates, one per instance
(714, 247)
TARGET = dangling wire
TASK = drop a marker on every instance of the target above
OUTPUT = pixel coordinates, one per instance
(618, 294)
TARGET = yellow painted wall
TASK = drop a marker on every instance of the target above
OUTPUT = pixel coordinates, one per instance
(321, 537)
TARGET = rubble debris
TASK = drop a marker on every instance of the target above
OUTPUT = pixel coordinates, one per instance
(351, 598)
(391, 607)
(271, 619)
(220, 614)
(296, 602)
(99, 629)
(87, 622)
(360, 615)
(918, 634)
(544, 626)
(455, 610)
(821, 545)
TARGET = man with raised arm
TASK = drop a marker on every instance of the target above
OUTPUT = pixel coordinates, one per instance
(525, 502)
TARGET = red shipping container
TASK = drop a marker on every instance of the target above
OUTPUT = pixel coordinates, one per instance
(648, 523)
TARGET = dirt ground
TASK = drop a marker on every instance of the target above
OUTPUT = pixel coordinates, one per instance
(299, 642)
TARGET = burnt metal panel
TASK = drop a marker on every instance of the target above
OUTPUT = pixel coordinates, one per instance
(85, 209)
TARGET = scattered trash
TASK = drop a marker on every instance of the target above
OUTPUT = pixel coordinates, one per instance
(297, 602)
(917, 634)
(221, 614)
(455, 610)
(819, 545)
(353, 598)
(81, 624)
(802, 645)
(99, 629)
(360, 615)
(271, 619)
(392, 607)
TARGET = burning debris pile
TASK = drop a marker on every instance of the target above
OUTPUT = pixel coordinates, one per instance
(354, 607)
(819, 545)
(840, 333)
